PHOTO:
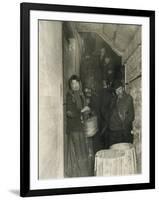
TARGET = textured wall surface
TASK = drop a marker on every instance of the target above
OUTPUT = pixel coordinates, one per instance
(133, 74)
(118, 36)
(50, 100)
(135, 91)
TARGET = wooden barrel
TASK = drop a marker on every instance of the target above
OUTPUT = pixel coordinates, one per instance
(122, 146)
(109, 162)
(113, 162)
(130, 153)
(91, 126)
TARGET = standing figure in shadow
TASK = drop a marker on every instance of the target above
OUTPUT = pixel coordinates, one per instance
(122, 116)
(77, 149)
(107, 97)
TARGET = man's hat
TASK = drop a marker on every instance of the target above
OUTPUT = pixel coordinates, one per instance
(116, 84)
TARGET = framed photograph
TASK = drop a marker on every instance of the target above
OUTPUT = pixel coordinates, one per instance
(87, 99)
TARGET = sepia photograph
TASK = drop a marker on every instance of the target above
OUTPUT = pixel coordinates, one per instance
(87, 99)
(98, 67)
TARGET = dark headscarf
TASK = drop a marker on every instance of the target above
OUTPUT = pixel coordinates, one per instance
(77, 96)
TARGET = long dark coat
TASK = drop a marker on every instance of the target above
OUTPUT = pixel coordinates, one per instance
(121, 119)
(77, 149)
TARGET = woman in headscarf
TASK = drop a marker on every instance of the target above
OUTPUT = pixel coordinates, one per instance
(77, 148)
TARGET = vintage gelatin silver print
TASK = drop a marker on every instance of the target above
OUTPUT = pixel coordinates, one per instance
(89, 95)
(87, 99)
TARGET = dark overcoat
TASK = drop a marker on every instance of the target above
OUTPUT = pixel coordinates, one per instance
(121, 119)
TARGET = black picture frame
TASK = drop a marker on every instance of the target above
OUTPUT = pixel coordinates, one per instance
(25, 9)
